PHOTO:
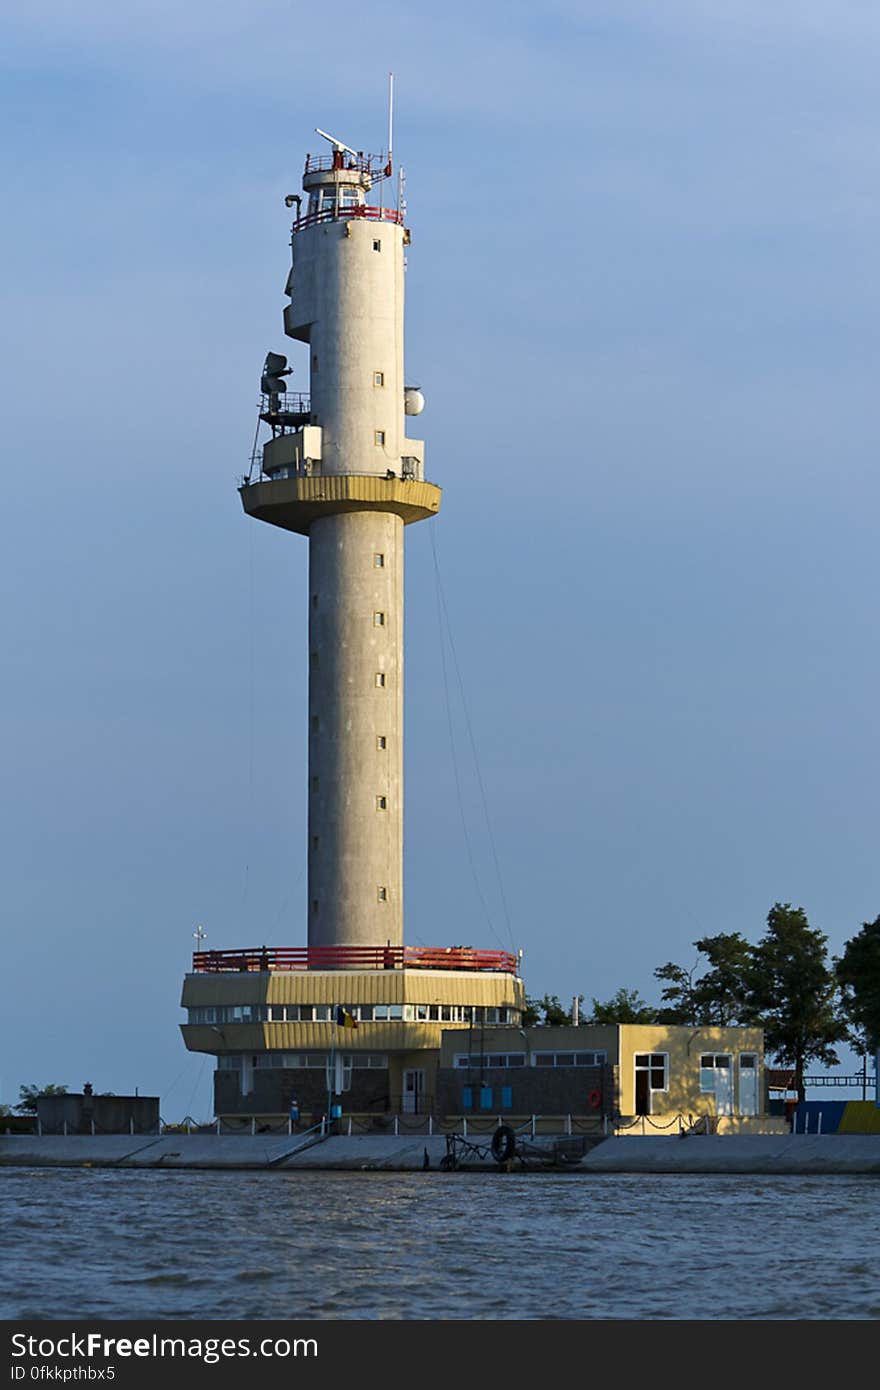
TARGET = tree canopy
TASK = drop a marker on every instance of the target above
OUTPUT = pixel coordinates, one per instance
(547, 1011)
(793, 993)
(626, 1006)
(858, 974)
(720, 995)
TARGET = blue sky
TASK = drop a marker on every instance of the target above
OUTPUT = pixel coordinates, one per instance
(642, 305)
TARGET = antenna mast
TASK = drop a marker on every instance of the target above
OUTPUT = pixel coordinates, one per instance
(390, 119)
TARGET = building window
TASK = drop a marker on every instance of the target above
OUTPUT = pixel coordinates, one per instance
(382, 894)
(379, 438)
(467, 1097)
(377, 245)
(478, 1060)
(716, 1079)
(506, 1097)
(381, 803)
(485, 1097)
(378, 560)
(381, 742)
(568, 1059)
(378, 378)
(380, 680)
(711, 1063)
(378, 619)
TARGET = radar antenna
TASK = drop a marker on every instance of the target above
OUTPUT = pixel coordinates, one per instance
(337, 144)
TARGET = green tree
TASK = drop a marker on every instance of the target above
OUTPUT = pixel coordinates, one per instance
(531, 1014)
(626, 1006)
(793, 992)
(721, 996)
(858, 974)
(677, 999)
(555, 1016)
(28, 1096)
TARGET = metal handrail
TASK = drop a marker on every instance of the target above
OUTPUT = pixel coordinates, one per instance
(344, 212)
(286, 403)
(354, 958)
(358, 163)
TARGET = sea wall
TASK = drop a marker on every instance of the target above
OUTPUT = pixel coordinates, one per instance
(792, 1153)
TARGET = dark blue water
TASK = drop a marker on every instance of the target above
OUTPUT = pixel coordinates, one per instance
(101, 1244)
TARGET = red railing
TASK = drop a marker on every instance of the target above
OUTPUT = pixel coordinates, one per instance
(342, 214)
(354, 958)
(375, 166)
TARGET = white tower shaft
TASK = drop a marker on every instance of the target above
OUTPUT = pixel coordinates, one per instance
(353, 495)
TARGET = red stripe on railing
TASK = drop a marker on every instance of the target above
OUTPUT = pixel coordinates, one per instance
(354, 958)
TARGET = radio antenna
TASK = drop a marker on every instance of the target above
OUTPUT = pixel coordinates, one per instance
(390, 118)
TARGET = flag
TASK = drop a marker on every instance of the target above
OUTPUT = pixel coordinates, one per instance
(345, 1019)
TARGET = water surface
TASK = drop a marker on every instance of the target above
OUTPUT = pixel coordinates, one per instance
(109, 1244)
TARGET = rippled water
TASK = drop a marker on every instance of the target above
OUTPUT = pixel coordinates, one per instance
(410, 1245)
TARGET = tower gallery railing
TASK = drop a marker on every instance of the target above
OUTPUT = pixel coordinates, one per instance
(344, 211)
(354, 958)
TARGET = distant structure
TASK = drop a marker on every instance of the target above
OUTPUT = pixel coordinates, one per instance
(86, 1113)
(356, 1013)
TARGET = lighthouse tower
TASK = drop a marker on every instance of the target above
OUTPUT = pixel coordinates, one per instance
(351, 480)
(338, 467)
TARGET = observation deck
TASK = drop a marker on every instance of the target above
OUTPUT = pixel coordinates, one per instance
(300, 958)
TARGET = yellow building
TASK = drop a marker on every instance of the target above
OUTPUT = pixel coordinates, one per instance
(638, 1078)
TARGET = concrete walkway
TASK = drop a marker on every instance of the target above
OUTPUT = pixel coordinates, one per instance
(772, 1153)
(738, 1153)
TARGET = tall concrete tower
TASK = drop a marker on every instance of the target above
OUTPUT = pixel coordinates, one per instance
(355, 1018)
(350, 479)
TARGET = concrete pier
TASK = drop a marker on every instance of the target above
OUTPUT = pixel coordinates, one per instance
(833, 1154)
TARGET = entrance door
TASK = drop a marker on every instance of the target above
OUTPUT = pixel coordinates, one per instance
(651, 1074)
(748, 1083)
(413, 1092)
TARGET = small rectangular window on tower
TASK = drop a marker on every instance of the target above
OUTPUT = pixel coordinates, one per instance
(381, 894)
(379, 438)
(378, 561)
(377, 245)
(378, 378)
(381, 803)
(381, 741)
(380, 680)
(378, 620)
